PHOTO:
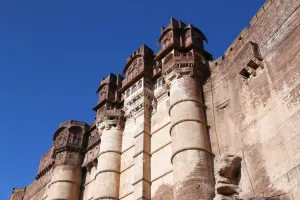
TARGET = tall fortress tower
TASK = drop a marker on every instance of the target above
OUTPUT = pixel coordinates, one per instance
(178, 125)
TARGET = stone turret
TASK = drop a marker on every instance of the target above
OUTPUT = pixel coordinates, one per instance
(67, 152)
(137, 88)
(109, 123)
(185, 68)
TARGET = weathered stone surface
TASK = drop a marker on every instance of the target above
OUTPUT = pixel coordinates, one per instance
(181, 126)
(229, 166)
(227, 189)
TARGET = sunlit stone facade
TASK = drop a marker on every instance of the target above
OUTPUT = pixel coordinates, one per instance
(178, 125)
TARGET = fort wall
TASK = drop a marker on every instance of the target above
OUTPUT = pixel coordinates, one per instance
(257, 116)
(178, 126)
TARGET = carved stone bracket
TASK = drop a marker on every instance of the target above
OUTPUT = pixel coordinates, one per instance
(180, 69)
(228, 176)
(137, 108)
(139, 102)
(105, 123)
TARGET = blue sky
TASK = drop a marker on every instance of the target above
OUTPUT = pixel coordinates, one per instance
(54, 53)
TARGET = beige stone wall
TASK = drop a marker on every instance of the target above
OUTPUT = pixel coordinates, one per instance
(37, 190)
(161, 151)
(65, 183)
(257, 118)
(108, 168)
(261, 121)
(127, 162)
(89, 184)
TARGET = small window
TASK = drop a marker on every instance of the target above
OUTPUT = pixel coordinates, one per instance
(159, 82)
(134, 89)
(245, 73)
(128, 93)
(140, 84)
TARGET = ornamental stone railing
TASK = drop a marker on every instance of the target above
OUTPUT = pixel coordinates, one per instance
(71, 122)
(177, 60)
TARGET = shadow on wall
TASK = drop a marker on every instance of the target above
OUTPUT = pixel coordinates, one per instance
(262, 186)
(164, 192)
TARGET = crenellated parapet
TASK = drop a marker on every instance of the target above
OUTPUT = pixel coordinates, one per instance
(139, 64)
(109, 97)
(46, 164)
(18, 194)
(182, 52)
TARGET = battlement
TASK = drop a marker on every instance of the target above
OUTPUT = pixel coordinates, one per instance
(174, 25)
(72, 123)
(260, 12)
(114, 82)
(216, 62)
(46, 163)
(179, 36)
(18, 194)
(239, 41)
(140, 63)
(144, 51)
(110, 79)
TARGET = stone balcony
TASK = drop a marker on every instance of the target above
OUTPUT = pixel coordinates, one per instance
(157, 69)
(132, 77)
(182, 59)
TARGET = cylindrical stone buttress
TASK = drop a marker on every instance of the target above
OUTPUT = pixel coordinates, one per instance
(65, 183)
(192, 157)
(109, 162)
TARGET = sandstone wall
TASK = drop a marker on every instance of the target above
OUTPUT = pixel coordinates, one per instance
(260, 120)
(161, 151)
(18, 194)
(37, 189)
(46, 160)
(127, 161)
(252, 102)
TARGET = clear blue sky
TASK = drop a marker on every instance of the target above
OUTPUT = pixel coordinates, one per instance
(54, 53)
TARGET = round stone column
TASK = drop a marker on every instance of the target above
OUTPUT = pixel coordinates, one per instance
(192, 157)
(65, 183)
(109, 161)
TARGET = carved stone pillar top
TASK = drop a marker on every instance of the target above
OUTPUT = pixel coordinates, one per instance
(106, 123)
(181, 69)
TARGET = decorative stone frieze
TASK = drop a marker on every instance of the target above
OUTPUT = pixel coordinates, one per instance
(137, 103)
(106, 124)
